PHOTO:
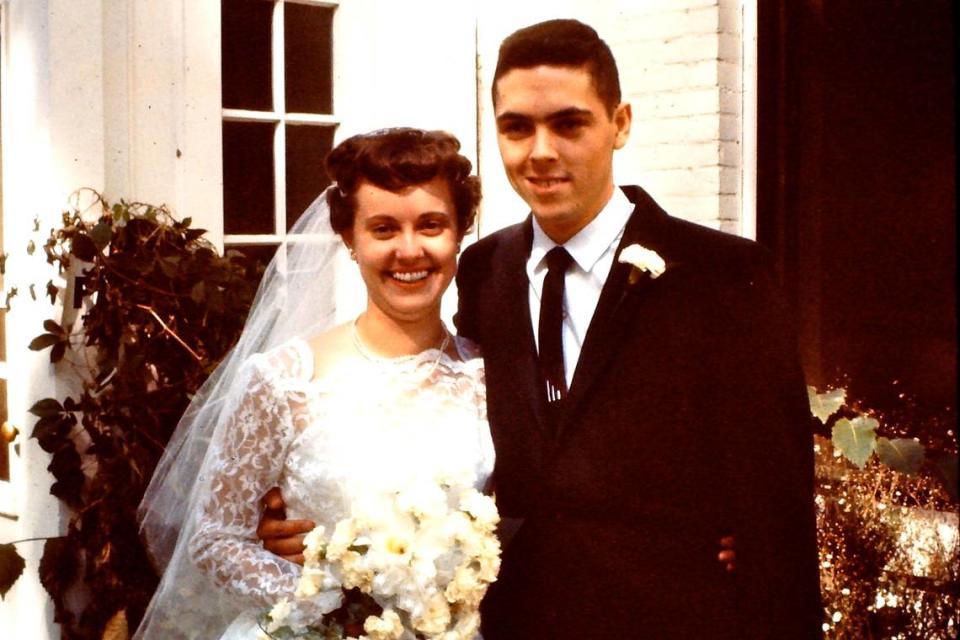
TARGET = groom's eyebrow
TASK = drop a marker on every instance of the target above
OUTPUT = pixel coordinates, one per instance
(556, 115)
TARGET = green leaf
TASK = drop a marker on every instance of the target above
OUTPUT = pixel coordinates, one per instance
(900, 454)
(945, 466)
(58, 351)
(53, 327)
(856, 439)
(51, 431)
(44, 340)
(65, 467)
(101, 234)
(168, 266)
(824, 405)
(83, 247)
(11, 567)
(46, 408)
(199, 292)
(58, 568)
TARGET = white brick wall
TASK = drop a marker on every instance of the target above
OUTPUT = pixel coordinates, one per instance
(680, 65)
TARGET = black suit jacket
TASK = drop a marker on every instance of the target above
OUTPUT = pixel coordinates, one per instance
(687, 420)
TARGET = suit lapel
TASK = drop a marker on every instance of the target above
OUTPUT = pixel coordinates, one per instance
(617, 300)
(516, 323)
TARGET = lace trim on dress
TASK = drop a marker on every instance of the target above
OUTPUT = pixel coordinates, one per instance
(306, 434)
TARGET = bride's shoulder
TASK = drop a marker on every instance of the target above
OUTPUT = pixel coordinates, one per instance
(300, 358)
(329, 348)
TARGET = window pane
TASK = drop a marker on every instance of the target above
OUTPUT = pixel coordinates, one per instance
(245, 54)
(307, 146)
(258, 256)
(308, 45)
(248, 177)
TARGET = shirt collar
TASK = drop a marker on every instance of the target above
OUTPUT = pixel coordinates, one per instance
(590, 243)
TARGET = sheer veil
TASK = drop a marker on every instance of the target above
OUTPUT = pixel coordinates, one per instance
(295, 299)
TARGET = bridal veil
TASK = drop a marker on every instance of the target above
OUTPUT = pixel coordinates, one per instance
(295, 299)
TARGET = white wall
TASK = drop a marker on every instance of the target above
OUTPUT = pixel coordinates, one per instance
(40, 107)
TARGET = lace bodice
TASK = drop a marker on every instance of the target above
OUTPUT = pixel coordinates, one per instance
(367, 426)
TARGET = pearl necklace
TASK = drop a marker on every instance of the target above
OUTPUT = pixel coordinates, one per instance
(364, 351)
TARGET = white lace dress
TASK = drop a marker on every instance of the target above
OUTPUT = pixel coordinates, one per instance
(369, 425)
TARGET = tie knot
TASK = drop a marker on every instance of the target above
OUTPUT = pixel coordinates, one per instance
(558, 259)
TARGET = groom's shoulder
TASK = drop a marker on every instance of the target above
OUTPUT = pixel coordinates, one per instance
(485, 254)
(695, 244)
(718, 257)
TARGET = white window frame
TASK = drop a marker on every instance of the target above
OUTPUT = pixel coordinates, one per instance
(282, 118)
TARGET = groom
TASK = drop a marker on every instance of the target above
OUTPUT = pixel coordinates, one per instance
(638, 416)
(645, 417)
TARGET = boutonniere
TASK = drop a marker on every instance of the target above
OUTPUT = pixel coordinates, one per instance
(643, 260)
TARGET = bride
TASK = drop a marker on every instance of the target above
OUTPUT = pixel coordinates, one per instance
(329, 415)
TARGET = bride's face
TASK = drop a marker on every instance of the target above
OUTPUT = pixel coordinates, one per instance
(406, 245)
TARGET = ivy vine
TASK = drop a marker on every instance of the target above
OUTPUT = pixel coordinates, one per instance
(160, 309)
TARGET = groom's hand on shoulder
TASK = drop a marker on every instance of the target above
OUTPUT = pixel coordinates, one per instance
(728, 553)
(280, 536)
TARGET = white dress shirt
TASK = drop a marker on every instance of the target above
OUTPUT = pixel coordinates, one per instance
(592, 250)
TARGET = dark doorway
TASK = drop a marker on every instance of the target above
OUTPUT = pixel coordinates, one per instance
(857, 162)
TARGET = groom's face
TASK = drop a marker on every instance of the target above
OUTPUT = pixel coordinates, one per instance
(557, 140)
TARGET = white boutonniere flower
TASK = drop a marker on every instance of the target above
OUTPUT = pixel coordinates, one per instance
(642, 260)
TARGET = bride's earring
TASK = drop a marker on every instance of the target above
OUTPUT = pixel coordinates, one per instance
(353, 254)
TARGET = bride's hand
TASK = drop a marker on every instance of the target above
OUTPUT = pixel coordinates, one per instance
(280, 536)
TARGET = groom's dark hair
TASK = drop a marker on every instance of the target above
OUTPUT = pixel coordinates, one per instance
(394, 159)
(562, 43)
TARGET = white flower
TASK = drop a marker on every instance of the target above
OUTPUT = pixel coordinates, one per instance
(278, 614)
(343, 536)
(436, 616)
(468, 626)
(481, 507)
(425, 553)
(314, 545)
(466, 587)
(643, 259)
(424, 500)
(386, 627)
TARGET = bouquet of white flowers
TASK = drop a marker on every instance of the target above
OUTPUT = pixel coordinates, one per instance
(413, 563)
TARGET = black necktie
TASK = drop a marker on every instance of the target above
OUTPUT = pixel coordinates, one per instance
(551, 324)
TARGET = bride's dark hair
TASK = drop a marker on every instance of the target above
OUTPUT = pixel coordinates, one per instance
(394, 159)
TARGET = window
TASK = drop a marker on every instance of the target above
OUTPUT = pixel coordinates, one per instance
(278, 121)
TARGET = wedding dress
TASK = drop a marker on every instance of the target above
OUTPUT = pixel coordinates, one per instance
(370, 425)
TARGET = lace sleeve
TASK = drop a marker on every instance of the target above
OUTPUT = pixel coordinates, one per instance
(245, 465)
